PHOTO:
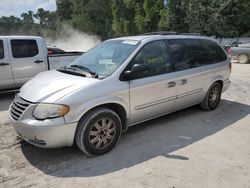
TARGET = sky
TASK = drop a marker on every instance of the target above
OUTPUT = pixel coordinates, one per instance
(17, 7)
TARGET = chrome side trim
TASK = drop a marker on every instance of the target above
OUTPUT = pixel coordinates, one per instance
(168, 99)
(154, 103)
(189, 93)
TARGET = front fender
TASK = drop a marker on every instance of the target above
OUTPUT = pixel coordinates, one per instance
(77, 113)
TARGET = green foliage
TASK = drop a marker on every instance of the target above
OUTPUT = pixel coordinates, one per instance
(178, 10)
(64, 9)
(92, 16)
(131, 17)
(109, 18)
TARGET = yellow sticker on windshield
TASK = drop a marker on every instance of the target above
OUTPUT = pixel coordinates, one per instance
(154, 60)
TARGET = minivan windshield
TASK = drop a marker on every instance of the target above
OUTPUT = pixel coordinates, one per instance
(105, 58)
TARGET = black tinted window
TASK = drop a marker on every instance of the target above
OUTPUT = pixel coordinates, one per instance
(187, 53)
(214, 53)
(24, 48)
(1, 50)
(155, 57)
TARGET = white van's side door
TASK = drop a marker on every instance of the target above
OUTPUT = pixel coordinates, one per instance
(27, 59)
(189, 58)
(154, 94)
(6, 77)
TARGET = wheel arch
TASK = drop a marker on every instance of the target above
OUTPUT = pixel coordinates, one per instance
(220, 82)
(116, 107)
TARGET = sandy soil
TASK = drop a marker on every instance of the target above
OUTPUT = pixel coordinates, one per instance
(189, 148)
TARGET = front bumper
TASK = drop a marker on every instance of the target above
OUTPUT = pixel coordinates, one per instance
(47, 134)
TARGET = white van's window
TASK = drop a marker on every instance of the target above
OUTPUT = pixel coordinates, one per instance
(1, 50)
(214, 53)
(24, 48)
(106, 57)
(187, 53)
(155, 57)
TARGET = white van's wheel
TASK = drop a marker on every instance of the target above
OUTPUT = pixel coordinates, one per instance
(98, 131)
(243, 58)
(212, 98)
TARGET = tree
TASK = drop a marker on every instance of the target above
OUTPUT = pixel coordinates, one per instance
(153, 10)
(92, 16)
(178, 12)
(128, 15)
(230, 18)
(131, 17)
(64, 9)
(41, 15)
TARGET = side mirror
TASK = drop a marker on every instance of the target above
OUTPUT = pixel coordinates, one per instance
(137, 71)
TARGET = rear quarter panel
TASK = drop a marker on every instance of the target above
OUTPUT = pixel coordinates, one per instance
(217, 72)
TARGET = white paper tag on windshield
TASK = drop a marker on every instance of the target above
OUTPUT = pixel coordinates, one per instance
(131, 42)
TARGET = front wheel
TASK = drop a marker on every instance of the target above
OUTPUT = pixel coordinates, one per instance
(212, 98)
(98, 131)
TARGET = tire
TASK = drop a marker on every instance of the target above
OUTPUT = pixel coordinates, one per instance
(212, 98)
(98, 131)
(243, 58)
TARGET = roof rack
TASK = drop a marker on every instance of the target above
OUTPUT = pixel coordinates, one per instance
(193, 34)
(170, 33)
(161, 33)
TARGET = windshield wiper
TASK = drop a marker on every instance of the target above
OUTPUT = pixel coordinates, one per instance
(86, 69)
(75, 71)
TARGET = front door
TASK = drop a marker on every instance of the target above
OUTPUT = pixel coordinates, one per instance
(6, 78)
(153, 94)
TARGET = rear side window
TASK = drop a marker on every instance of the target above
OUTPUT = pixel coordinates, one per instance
(187, 53)
(214, 52)
(1, 50)
(191, 53)
(24, 48)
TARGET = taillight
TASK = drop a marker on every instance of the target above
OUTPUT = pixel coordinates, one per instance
(230, 67)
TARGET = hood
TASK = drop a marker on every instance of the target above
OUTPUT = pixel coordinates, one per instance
(52, 85)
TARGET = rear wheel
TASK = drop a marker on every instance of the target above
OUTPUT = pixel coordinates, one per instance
(243, 58)
(212, 98)
(98, 131)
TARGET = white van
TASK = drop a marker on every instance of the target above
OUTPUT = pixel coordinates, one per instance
(119, 83)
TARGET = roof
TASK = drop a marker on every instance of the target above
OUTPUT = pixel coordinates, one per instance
(149, 37)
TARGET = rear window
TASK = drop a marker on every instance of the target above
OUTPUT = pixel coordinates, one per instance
(1, 50)
(214, 52)
(24, 48)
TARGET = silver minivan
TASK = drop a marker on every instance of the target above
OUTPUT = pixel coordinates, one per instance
(119, 83)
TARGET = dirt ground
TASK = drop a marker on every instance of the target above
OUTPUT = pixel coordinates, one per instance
(189, 148)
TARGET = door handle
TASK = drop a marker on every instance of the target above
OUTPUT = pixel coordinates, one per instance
(182, 82)
(3, 64)
(38, 61)
(171, 84)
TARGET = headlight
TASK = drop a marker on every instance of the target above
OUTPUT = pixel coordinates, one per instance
(46, 111)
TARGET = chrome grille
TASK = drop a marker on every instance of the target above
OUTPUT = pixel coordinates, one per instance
(18, 107)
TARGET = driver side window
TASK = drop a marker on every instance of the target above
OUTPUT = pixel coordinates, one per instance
(155, 58)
